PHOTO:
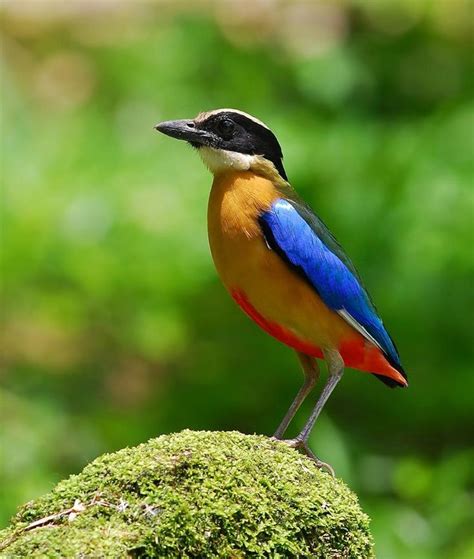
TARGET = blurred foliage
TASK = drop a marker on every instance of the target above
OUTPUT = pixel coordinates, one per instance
(115, 327)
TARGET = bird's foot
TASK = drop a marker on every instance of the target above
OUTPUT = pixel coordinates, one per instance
(301, 445)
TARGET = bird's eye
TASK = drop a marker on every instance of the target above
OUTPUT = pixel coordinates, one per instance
(225, 128)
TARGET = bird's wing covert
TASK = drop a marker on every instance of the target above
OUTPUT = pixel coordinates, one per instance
(306, 245)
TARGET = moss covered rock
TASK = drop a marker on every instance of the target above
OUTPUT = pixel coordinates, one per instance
(194, 494)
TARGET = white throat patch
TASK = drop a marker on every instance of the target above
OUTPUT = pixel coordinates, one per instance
(218, 160)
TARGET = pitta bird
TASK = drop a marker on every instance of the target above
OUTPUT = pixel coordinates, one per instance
(281, 264)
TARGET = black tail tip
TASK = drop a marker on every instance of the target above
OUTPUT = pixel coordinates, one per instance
(391, 382)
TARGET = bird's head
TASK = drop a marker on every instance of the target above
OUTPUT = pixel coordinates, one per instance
(228, 139)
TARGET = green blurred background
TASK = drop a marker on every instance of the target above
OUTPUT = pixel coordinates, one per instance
(115, 327)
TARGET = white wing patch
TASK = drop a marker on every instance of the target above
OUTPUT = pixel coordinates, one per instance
(353, 322)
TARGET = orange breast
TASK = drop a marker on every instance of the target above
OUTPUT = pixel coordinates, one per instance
(246, 264)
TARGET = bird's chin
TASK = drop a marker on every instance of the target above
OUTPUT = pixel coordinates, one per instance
(219, 160)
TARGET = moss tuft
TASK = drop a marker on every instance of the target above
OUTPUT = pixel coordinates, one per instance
(195, 494)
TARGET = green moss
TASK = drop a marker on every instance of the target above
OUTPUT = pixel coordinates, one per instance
(195, 494)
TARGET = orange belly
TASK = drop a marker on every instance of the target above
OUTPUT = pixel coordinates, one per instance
(356, 352)
(279, 332)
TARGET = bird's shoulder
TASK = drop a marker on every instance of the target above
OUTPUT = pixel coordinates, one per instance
(304, 212)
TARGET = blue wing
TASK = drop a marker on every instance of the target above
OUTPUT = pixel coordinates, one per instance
(305, 243)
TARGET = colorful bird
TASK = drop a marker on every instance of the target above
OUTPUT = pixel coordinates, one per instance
(281, 264)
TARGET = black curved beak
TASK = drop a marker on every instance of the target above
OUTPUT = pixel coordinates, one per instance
(184, 130)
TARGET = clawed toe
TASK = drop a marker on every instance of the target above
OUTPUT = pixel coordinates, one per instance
(301, 445)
